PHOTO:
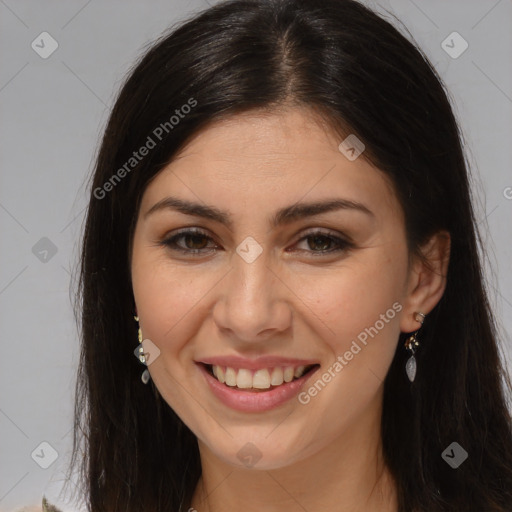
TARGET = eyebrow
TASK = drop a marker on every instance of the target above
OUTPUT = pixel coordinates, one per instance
(285, 215)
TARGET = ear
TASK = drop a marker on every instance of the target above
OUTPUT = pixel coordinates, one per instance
(427, 280)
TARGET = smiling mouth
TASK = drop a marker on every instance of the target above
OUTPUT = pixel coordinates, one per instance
(259, 381)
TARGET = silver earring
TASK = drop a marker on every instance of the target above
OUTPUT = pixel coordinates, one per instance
(139, 353)
(411, 345)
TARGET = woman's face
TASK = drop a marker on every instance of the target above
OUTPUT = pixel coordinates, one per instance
(324, 286)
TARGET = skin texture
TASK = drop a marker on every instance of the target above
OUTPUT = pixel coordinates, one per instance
(326, 454)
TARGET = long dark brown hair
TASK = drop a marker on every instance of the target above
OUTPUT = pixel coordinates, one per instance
(363, 76)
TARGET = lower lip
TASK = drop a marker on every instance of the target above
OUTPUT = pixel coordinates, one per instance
(255, 401)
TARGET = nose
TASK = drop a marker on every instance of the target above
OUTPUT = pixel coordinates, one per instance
(253, 304)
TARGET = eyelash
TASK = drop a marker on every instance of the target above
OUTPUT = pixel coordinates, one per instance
(171, 242)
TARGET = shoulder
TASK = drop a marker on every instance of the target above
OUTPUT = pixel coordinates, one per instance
(48, 507)
(44, 507)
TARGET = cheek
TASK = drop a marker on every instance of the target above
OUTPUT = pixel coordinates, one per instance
(354, 297)
(361, 306)
(166, 297)
(360, 309)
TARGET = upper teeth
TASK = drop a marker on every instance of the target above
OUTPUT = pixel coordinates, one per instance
(261, 379)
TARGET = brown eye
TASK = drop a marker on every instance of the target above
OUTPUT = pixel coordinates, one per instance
(194, 241)
(321, 243)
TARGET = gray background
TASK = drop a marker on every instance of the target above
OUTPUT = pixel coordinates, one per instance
(53, 112)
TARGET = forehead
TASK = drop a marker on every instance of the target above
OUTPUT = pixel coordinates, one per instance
(283, 134)
(270, 158)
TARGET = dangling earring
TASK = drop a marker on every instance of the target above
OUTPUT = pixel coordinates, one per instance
(139, 353)
(411, 345)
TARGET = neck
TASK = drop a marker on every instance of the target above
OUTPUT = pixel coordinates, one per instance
(347, 474)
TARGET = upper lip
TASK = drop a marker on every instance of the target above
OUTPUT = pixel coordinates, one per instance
(255, 364)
